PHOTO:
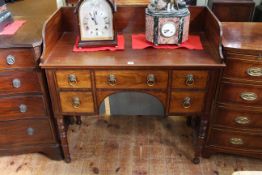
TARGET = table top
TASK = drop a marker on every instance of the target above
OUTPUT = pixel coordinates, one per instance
(245, 36)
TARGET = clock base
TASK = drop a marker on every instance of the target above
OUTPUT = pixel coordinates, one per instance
(99, 43)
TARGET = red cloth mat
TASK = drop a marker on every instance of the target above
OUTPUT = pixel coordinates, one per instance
(120, 46)
(12, 28)
(139, 42)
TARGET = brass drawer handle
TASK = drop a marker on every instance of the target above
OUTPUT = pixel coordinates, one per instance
(241, 120)
(236, 141)
(10, 59)
(187, 102)
(16, 83)
(248, 96)
(23, 108)
(111, 80)
(30, 131)
(151, 80)
(254, 71)
(190, 80)
(76, 102)
(72, 79)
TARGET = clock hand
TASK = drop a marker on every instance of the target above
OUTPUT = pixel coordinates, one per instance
(93, 18)
(95, 13)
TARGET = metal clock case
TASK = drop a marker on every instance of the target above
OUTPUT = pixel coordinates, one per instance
(168, 26)
(95, 23)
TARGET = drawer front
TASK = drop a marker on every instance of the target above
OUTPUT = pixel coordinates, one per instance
(73, 79)
(238, 118)
(16, 58)
(229, 139)
(22, 107)
(25, 132)
(131, 79)
(241, 94)
(189, 79)
(182, 102)
(19, 82)
(244, 69)
(81, 102)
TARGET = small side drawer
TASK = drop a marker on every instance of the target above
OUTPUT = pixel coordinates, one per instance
(22, 107)
(19, 82)
(73, 79)
(238, 118)
(130, 79)
(81, 102)
(25, 132)
(245, 94)
(243, 69)
(182, 102)
(17, 58)
(187, 79)
(233, 139)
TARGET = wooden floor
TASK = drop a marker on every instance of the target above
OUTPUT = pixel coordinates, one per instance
(128, 146)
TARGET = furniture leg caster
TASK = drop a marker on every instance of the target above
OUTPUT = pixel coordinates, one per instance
(196, 160)
(67, 159)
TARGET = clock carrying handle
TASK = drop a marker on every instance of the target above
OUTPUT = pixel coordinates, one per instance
(111, 2)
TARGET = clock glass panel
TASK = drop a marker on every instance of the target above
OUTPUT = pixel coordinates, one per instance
(95, 17)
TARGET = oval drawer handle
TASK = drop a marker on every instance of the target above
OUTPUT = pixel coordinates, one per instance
(111, 80)
(241, 120)
(187, 102)
(236, 141)
(72, 79)
(23, 108)
(16, 83)
(30, 131)
(254, 71)
(76, 102)
(248, 96)
(151, 80)
(190, 80)
(10, 59)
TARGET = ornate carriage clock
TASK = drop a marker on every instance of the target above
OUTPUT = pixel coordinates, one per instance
(95, 23)
(167, 22)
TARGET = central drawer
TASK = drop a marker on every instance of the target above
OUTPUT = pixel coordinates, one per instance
(131, 79)
(25, 132)
(19, 82)
(22, 107)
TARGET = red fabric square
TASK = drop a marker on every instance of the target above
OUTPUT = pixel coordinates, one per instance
(139, 42)
(120, 46)
(12, 28)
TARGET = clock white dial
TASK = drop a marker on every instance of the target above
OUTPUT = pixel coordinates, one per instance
(168, 29)
(96, 20)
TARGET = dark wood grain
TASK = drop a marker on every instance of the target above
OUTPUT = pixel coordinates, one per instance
(14, 133)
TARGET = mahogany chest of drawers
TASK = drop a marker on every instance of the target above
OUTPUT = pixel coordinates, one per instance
(184, 81)
(26, 119)
(236, 124)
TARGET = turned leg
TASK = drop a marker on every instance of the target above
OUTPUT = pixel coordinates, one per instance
(78, 120)
(63, 138)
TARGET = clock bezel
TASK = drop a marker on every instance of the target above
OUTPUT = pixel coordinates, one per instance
(99, 42)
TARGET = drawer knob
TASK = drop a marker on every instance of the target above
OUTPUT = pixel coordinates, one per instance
(111, 80)
(236, 141)
(151, 80)
(72, 79)
(76, 102)
(248, 96)
(30, 131)
(16, 83)
(187, 102)
(10, 59)
(254, 71)
(241, 120)
(189, 80)
(23, 108)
